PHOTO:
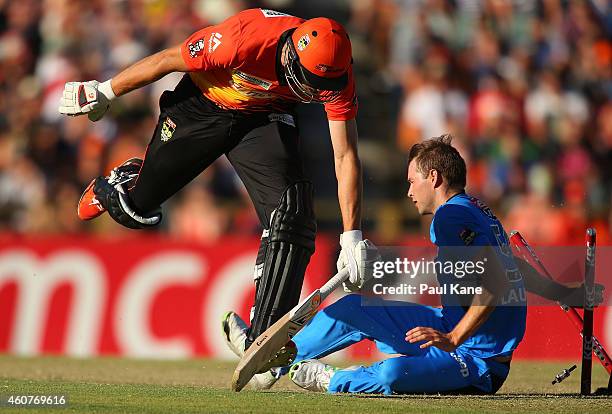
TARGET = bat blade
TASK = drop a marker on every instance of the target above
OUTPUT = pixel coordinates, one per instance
(273, 339)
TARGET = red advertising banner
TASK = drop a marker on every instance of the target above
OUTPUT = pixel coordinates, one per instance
(141, 296)
(154, 297)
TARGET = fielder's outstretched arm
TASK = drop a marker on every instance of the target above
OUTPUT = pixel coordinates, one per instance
(547, 288)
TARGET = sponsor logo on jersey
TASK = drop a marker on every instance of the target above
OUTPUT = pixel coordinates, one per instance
(303, 42)
(463, 368)
(250, 92)
(274, 13)
(240, 83)
(467, 236)
(168, 128)
(214, 41)
(253, 79)
(196, 48)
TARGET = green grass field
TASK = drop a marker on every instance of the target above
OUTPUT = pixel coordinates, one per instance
(113, 385)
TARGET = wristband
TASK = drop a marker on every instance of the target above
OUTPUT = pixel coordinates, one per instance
(351, 236)
(107, 90)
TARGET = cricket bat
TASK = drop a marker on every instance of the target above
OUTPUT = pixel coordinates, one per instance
(267, 345)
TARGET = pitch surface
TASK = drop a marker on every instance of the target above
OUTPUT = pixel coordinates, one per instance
(114, 385)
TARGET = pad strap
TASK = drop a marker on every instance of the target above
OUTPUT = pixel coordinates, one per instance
(118, 205)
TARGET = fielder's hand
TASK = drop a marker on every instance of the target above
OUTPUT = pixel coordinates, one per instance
(431, 337)
(576, 298)
(359, 256)
(92, 98)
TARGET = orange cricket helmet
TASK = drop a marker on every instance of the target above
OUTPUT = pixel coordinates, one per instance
(318, 59)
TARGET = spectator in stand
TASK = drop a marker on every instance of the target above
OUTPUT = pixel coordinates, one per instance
(525, 86)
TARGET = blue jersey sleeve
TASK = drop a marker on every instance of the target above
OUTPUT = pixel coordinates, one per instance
(454, 225)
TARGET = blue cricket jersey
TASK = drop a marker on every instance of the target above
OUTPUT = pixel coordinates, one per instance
(465, 221)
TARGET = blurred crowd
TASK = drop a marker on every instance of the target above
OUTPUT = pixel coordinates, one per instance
(524, 86)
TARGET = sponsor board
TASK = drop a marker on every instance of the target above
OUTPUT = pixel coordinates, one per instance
(147, 297)
(153, 297)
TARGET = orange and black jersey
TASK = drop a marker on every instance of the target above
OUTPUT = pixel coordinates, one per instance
(235, 64)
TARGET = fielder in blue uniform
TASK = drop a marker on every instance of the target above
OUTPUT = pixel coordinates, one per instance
(456, 348)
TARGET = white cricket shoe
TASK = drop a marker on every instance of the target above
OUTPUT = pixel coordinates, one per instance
(235, 334)
(265, 380)
(312, 375)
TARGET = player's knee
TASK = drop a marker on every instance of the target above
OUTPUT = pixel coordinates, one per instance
(351, 302)
(390, 373)
(345, 309)
(293, 220)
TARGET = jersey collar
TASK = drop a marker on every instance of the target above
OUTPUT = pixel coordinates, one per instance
(455, 195)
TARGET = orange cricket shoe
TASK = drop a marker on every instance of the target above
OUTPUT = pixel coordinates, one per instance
(89, 206)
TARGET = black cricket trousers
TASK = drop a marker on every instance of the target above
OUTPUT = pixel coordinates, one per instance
(192, 132)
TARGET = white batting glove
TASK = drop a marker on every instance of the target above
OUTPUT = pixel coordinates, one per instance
(366, 254)
(92, 98)
(348, 241)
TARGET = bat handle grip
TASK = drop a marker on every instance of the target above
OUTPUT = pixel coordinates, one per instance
(333, 283)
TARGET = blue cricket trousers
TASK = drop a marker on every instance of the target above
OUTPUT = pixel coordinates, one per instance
(430, 370)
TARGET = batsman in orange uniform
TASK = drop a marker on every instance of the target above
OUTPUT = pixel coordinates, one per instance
(242, 80)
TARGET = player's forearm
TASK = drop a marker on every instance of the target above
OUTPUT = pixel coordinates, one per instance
(473, 319)
(348, 173)
(494, 285)
(540, 285)
(148, 70)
